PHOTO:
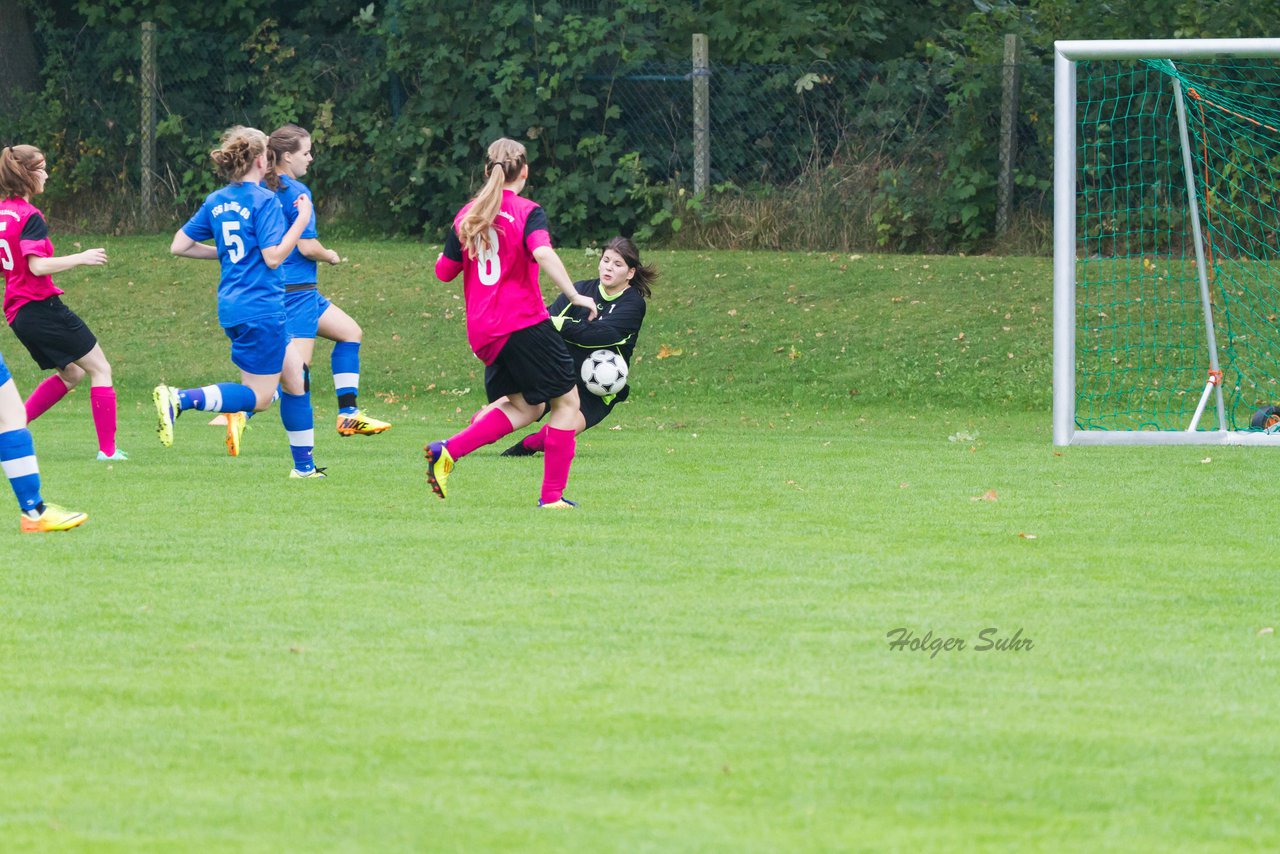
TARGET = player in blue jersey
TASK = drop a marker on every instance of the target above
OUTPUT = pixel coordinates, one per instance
(18, 460)
(307, 312)
(251, 240)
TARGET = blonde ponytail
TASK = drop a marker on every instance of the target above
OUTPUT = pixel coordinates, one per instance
(503, 163)
(240, 147)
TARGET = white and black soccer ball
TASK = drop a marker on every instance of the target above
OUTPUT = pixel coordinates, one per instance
(604, 372)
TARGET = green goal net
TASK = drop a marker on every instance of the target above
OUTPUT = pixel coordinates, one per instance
(1144, 343)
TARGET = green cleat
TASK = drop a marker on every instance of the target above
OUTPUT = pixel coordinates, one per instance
(167, 410)
(439, 467)
(316, 472)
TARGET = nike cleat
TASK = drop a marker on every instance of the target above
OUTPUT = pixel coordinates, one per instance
(54, 518)
(357, 423)
(235, 432)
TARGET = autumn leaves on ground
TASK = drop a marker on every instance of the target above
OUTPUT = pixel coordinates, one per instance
(830, 588)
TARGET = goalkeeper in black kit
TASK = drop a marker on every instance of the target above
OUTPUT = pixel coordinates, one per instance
(620, 293)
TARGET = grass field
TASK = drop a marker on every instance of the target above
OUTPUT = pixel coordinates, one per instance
(819, 450)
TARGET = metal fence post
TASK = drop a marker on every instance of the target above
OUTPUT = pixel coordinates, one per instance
(1008, 136)
(148, 122)
(701, 114)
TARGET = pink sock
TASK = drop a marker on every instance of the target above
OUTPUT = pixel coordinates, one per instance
(486, 429)
(102, 401)
(560, 445)
(537, 441)
(49, 392)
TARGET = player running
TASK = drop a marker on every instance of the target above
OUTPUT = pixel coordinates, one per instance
(251, 240)
(52, 333)
(307, 312)
(619, 294)
(498, 241)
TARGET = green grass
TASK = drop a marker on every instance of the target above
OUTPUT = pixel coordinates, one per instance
(695, 661)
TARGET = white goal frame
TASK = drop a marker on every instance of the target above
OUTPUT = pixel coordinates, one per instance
(1066, 54)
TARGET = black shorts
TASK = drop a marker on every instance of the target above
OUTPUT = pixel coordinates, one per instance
(53, 334)
(534, 362)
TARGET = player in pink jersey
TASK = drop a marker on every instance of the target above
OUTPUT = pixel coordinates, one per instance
(56, 338)
(498, 242)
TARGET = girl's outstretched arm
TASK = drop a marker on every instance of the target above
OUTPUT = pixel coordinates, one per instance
(57, 264)
(186, 247)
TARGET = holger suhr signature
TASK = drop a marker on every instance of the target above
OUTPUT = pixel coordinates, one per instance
(989, 640)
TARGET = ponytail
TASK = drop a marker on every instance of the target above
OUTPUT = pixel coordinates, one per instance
(503, 163)
(18, 165)
(286, 139)
(240, 147)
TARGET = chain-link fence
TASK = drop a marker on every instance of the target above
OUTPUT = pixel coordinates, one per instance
(887, 131)
(902, 147)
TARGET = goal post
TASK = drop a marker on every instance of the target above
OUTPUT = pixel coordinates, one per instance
(1166, 240)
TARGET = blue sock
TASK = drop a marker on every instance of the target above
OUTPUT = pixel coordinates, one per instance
(295, 414)
(223, 397)
(18, 458)
(346, 374)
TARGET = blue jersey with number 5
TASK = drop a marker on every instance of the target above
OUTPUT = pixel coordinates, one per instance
(242, 219)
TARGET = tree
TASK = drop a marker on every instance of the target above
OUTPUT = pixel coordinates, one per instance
(19, 66)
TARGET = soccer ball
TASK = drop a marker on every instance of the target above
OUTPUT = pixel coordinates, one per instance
(604, 372)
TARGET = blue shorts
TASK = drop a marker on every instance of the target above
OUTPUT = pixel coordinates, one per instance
(302, 310)
(5, 376)
(257, 347)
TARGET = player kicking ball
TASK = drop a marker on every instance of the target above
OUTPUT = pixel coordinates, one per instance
(498, 242)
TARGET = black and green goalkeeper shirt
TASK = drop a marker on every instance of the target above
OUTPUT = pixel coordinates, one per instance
(615, 328)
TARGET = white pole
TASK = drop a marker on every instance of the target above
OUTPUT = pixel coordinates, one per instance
(1166, 48)
(1215, 379)
(1064, 249)
(1211, 339)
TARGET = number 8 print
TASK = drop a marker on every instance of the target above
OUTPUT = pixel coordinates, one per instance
(6, 255)
(489, 264)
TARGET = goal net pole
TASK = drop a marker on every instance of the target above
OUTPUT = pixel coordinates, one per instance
(1197, 240)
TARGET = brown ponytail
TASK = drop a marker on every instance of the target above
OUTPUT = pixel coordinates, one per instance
(18, 165)
(644, 275)
(286, 139)
(505, 159)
